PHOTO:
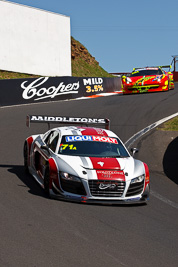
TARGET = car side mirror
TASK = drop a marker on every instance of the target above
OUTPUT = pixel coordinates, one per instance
(134, 150)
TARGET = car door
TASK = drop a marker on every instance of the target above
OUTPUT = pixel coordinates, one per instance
(46, 151)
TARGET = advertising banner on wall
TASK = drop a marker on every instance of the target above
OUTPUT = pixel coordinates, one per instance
(44, 89)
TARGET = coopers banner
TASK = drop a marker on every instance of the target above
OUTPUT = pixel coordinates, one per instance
(43, 89)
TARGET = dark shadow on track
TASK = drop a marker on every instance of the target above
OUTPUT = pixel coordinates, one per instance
(26, 178)
(170, 161)
(35, 189)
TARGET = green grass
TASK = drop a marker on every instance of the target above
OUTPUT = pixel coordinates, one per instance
(83, 63)
(80, 68)
(171, 125)
(14, 75)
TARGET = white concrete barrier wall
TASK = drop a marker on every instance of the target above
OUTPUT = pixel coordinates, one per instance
(34, 41)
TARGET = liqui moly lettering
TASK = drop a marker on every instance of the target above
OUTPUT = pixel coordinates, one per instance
(91, 138)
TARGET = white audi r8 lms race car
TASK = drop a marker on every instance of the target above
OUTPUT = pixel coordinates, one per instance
(84, 164)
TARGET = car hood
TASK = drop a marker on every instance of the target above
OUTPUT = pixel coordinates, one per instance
(145, 79)
(100, 168)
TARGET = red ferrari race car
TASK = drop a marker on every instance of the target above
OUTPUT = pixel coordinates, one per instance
(148, 79)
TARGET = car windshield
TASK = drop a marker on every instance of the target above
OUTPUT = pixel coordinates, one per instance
(145, 72)
(92, 146)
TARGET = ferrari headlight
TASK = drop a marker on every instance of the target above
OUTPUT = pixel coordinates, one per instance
(157, 78)
(68, 177)
(128, 80)
(138, 179)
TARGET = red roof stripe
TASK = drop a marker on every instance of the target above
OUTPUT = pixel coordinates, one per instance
(93, 131)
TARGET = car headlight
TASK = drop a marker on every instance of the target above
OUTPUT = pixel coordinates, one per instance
(69, 177)
(128, 80)
(157, 78)
(138, 179)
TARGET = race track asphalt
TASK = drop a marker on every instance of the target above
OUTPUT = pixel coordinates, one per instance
(37, 231)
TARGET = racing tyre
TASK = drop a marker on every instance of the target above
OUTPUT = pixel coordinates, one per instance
(46, 181)
(25, 154)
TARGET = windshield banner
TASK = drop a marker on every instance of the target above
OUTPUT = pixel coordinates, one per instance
(91, 138)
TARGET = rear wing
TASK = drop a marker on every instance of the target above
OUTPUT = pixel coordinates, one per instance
(162, 67)
(166, 66)
(66, 120)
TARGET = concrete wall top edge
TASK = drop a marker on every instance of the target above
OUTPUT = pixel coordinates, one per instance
(39, 9)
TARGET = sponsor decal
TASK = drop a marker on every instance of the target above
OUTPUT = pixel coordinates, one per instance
(104, 186)
(94, 89)
(142, 80)
(110, 164)
(100, 163)
(105, 139)
(151, 68)
(112, 175)
(36, 118)
(92, 81)
(100, 131)
(70, 147)
(78, 138)
(37, 89)
(93, 85)
(91, 138)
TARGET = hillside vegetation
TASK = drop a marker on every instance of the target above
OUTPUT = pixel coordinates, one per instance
(83, 65)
